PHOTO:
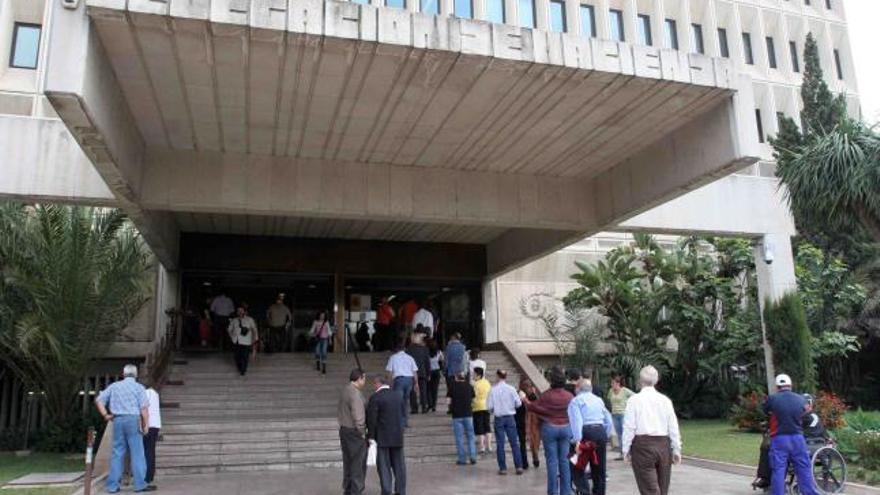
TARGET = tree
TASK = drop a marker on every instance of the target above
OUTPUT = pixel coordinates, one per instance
(72, 278)
(789, 336)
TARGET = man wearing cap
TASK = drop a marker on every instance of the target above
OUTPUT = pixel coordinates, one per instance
(786, 410)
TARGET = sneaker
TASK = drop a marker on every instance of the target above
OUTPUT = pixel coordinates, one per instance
(502, 472)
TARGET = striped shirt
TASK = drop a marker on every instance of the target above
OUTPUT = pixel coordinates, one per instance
(126, 397)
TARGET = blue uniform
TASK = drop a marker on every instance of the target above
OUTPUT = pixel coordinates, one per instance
(786, 410)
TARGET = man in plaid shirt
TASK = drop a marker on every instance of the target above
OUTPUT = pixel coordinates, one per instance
(129, 413)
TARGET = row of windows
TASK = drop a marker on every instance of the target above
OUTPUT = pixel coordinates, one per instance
(25, 46)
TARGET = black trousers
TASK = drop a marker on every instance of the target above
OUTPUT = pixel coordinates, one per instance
(150, 440)
(597, 435)
(242, 357)
(354, 461)
(221, 325)
(420, 399)
(433, 388)
(392, 470)
(276, 339)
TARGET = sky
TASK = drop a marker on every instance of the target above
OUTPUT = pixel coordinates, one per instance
(862, 17)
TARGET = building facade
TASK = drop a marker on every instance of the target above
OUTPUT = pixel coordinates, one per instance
(463, 145)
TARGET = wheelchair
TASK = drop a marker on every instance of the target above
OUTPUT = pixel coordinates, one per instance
(828, 469)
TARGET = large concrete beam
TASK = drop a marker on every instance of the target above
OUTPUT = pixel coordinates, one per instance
(252, 184)
(42, 163)
(737, 205)
(83, 89)
(688, 157)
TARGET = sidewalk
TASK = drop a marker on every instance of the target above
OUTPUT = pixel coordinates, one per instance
(442, 479)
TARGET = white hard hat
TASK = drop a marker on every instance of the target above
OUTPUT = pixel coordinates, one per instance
(783, 380)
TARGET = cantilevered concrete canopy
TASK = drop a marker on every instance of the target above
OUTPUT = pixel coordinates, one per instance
(327, 119)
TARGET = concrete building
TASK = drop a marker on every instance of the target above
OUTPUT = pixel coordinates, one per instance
(359, 148)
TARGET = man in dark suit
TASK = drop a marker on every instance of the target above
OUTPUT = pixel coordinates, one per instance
(385, 413)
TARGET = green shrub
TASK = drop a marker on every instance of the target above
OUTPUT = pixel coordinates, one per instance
(747, 413)
(69, 436)
(861, 420)
(790, 338)
(867, 446)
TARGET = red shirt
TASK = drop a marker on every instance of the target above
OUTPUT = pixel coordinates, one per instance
(552, 406)
(385, 315)
(408, 311)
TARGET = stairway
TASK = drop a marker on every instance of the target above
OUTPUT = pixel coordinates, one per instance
(282, 415)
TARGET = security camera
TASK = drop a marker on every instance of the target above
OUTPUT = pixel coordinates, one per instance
(768, 253)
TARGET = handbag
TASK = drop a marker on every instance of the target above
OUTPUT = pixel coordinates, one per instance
(372, 451)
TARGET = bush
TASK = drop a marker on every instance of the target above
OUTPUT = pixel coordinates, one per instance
(860, 420)
(831, 409)
(789, 336)
(69, 436)
(867, 446)
(747, 413)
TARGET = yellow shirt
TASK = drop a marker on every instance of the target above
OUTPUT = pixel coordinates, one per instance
(481, 393)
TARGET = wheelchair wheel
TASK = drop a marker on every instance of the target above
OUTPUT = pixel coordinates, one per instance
(829, 470)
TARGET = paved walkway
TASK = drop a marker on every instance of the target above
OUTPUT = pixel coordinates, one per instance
(433, 479)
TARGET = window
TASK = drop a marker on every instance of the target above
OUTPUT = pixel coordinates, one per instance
(671, 34)
(760, 126)
(838, 65)
(463, 9)
(363, 2)
(588, 21)
(25, 46)
(430, 7)
(557, 16)
(828, 4)
(747, 49)
(697, 34)
(771, 52)
(722, 43)
(496, 11)
(615, 18)
(793, 52)
(400, 4)
(527, 13)
(644, 26)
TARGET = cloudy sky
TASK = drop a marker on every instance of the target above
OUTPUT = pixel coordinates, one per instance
(862, 17)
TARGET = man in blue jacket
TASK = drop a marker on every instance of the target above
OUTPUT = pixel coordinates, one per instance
(787, 444)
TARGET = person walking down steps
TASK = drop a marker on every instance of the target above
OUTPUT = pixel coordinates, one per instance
(321, 333)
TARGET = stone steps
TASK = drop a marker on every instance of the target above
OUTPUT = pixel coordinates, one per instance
(282, 415)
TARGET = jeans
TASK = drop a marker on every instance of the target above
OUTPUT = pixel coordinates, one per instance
(556, 443)
(785, 449)
(617, 419)
(321, 350)
(464, 429)
(127, 437)
(506, 426)
(405, 385)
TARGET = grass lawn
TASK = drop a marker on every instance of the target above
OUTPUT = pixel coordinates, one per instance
(718, 440)
(12, 467)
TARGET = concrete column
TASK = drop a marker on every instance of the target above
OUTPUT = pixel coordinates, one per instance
(775, 279)
(490, 310)
(339, 312)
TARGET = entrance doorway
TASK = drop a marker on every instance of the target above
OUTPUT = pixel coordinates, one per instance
(305, 295)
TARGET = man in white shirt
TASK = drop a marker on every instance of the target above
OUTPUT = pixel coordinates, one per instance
(243, 334)
(404, 373)
(425, 318)
(502, 403)
(154, 424)
(651, 439)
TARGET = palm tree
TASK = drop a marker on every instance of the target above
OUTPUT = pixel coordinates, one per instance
(70, 279)
(836, 178)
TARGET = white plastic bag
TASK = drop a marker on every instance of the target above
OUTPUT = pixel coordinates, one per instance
(371, 453)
